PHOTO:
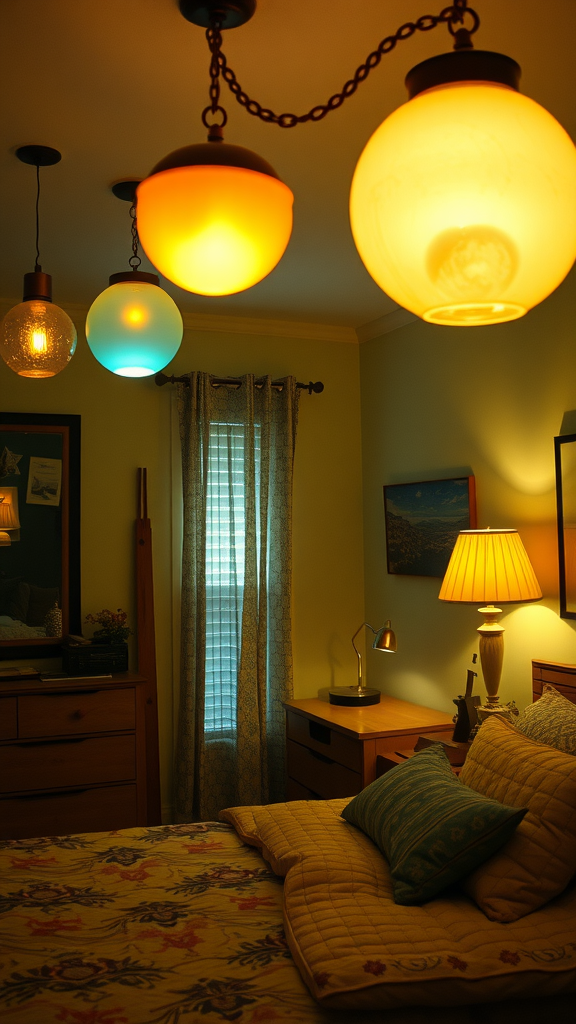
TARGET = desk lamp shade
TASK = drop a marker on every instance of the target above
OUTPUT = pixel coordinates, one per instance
(490, 567)
(9, 519)
(360, 696)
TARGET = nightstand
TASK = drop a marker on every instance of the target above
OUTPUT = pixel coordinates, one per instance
(332, 750)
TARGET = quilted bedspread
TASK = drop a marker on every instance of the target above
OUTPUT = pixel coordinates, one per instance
(356, 948)
(172, 925)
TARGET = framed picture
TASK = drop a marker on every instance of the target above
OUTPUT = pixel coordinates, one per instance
(422, 523)
(565, 451)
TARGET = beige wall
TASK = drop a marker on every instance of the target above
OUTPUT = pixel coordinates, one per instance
(439, 402)
(127, 424)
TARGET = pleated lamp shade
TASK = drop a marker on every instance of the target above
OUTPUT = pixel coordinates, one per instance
(489, 567)
(9, 519)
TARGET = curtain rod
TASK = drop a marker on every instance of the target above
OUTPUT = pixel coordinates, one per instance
(162, 378)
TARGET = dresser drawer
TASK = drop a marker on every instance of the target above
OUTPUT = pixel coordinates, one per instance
(328, 778)
(8, 718)
(324, 740)
(67, 763)
(63, 714)
(296, 791)
(59, 814)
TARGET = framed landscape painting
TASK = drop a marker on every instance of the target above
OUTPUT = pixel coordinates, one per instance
(423, 521)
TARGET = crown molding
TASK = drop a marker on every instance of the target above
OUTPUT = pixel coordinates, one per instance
(229, 324)
(385, 324)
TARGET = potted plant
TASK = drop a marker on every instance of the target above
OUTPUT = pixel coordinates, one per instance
(107, 652)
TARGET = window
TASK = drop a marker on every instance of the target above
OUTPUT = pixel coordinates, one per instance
(225, 547)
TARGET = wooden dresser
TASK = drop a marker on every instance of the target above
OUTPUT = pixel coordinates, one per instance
(332, 750)
(72, 756)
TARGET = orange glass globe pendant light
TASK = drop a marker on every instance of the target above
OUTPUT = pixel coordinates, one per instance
(214, 218)
(37, 338)
(133, 328)
(460, 193)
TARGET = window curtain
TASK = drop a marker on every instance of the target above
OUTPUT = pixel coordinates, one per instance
(236, 659)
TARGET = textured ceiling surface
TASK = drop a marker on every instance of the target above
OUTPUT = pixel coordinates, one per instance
(118, 84)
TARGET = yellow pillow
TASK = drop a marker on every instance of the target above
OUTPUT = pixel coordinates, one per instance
(540, 859)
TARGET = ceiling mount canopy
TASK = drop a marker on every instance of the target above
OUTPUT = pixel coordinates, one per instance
(453, 201)
(229, 13)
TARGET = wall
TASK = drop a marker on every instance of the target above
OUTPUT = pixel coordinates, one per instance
(127, 424)
(441, 402)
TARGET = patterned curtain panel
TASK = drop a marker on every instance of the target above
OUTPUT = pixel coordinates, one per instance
(237, 469)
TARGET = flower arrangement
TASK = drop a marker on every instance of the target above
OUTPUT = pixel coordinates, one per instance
(113, 626)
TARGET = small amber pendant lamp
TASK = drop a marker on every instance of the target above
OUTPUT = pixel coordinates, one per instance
(37, 338)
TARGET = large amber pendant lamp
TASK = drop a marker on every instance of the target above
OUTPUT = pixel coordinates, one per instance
(214, 218)
(463, 203)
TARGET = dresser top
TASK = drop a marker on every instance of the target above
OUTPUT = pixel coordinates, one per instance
(388, 718)
(19, 687)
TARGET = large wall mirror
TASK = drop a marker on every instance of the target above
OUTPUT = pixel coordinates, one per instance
(39, 533)
(565, 450)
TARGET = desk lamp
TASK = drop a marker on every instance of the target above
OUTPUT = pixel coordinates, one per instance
(490, 567)
(359, 696)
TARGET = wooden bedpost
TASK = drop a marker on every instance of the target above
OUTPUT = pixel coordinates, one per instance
(147, 646)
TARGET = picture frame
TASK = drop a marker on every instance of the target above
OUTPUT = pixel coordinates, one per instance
(423, 520)
(565, 463)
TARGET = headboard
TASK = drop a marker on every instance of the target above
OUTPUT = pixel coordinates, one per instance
(562, 677)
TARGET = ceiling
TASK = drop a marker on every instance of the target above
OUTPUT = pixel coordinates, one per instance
(116, 85)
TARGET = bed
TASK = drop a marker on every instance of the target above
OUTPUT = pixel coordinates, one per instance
(177, 925)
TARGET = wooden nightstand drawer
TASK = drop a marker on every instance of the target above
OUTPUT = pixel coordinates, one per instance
(325, 740)
(53, 765)
(328, 778)
(8, 718)
(63, 714)
(59, 814)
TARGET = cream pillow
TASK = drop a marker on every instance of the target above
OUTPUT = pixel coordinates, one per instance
(551, 720)
(540, 859)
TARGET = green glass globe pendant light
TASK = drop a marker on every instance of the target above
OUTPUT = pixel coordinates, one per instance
(37, 338)
(134, 328)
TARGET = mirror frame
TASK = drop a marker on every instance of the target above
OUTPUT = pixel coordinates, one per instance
(558, 442)
(69, 427)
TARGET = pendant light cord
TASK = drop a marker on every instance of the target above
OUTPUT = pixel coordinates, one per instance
(134, 260)
(452, 16)
(37, 266)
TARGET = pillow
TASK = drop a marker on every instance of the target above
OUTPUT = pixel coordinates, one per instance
(42, 599)
(18, 604)
(551, 720)
(540, 858)
(431, 828)
(7, 592)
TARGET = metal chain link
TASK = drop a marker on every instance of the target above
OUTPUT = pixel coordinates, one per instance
(134, 260)
(451, 16)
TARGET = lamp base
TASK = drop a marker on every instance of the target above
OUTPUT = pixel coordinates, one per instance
(352, 697)
(508, 711)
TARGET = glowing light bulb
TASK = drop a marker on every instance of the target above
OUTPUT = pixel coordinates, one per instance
(39, 343)
(37, 339)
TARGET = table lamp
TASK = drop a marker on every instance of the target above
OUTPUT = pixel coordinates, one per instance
(9, 519)
(490, 567)
(359, 696)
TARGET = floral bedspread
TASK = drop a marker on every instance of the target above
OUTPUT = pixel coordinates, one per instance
(169, 925)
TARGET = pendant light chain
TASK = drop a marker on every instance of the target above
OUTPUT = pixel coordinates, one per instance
(37, 266)
(134, 260)
(214, 37)
(451, 16)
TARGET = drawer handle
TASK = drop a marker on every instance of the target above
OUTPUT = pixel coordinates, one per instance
(320, 733)
(321, 757)
(77, 715)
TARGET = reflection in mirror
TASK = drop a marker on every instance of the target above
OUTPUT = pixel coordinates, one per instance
(565, 448)
(39, 532)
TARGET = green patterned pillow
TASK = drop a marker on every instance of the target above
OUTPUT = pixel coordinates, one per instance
(431, 828)
(551, 720)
